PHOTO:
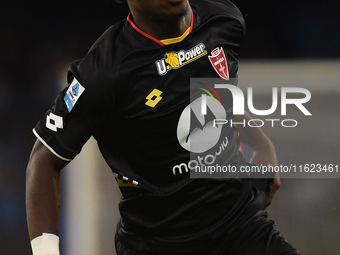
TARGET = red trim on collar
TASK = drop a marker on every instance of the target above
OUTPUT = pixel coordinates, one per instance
(142, 32)
(192, 20)
(151, 37)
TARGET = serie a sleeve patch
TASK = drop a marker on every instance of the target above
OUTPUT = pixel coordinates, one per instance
(73, 93)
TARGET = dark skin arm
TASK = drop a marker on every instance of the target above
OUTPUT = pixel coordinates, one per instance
(43, 191)
(264, 150)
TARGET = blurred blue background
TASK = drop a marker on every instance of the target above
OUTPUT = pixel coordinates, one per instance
(41, 38)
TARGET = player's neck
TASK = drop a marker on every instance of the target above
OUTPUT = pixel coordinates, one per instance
(165, 28)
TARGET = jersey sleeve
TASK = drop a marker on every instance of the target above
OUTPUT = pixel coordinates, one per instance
(81, 108)
(66, 127)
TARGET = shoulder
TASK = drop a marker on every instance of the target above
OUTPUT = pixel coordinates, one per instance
(108, 37)
(221, 18)
(212, 9)
(101, 59)
(94, 72)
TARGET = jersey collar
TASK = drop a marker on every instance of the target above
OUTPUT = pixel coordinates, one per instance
(142, 36)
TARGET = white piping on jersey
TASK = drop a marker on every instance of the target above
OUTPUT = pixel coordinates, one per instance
(48, 147)
(126, 179)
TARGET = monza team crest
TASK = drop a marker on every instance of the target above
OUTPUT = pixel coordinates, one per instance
(219, 62)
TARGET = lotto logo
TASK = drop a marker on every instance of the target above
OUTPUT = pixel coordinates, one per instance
(153, 98)
(54, 121)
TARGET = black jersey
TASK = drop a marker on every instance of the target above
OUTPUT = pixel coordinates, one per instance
(129, 93)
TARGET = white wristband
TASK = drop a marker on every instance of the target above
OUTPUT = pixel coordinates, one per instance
(46, 244)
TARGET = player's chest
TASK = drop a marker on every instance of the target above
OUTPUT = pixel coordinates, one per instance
(155, 81)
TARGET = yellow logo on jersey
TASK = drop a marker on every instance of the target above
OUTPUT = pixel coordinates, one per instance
(153, 98)
(172, 60)
(175, 60)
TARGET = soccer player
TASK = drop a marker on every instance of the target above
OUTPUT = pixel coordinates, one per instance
(131, 92)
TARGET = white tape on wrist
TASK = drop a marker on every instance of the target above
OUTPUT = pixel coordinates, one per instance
(46, 244)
